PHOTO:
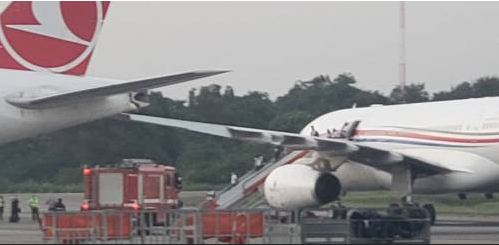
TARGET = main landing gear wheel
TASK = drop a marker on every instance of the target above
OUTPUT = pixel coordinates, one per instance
(432, 212)
(462, 196)
(407, 208)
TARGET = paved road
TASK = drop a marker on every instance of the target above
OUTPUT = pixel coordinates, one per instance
(25, 232)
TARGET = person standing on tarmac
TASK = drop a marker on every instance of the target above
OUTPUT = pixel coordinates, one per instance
(51, 203)
(15, 210)
(34, 204)
(59, 206)
(2, 207)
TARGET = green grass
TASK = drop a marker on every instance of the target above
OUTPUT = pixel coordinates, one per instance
(476, 204)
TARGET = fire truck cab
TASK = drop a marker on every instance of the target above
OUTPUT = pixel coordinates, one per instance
(136, 184)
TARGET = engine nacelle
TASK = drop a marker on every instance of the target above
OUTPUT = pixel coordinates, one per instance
(299, 186)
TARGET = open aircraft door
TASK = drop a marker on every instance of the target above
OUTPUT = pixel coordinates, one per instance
(351, 129)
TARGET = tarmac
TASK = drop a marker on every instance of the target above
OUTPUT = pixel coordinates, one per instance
(466, 230)
(450, 229)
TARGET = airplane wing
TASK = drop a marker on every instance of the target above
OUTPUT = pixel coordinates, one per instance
(51, 99)
(358, 152)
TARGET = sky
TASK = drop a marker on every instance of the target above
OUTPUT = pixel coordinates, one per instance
(269, 46)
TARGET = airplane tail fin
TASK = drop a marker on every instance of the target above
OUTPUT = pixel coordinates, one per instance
(56, 37)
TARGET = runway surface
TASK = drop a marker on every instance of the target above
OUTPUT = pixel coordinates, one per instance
(466, 230)
(450, 229)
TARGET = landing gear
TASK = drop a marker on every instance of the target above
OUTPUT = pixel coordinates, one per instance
(410, 208)
(462, 196)
(403, 182)
(432, 212)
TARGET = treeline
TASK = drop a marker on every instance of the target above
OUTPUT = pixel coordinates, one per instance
(52, 162)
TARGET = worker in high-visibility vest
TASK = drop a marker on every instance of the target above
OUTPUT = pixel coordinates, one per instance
(34, 204)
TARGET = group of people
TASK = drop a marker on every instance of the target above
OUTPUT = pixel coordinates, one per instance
(342, 133)
(259, 162)
(34, 205)
(14, 207)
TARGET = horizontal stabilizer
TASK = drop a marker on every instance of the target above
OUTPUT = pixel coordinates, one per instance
(38, 101)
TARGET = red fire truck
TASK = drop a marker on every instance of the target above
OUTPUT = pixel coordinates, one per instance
(133, 184)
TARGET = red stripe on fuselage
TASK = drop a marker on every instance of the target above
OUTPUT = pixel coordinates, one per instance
(420, 136)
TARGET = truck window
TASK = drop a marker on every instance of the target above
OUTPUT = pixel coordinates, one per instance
(111, 189)
(132, 188)
(151, 186)
(168, 180)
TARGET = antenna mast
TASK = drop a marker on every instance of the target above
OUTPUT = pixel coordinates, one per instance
(402, 65)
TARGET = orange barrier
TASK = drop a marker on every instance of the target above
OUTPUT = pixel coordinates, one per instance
(86, 226)
(232, 227)
(192, 225)
(227, 223)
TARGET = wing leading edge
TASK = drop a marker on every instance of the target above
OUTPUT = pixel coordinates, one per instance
(368, 155)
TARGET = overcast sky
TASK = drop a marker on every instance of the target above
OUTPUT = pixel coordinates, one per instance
(270, 45)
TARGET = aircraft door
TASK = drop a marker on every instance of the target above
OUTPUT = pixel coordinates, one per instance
(349, 128)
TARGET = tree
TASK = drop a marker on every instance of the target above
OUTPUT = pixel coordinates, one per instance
(485, 87)
(192, 97)
(461, 91)
(321, 95)
(413, 93)
(292, 121)
(345, 79)
(229, 92)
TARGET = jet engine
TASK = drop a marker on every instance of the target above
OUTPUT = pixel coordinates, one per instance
(300, 186)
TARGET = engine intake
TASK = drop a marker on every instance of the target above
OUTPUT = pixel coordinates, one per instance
(327, 188)
(300, 186)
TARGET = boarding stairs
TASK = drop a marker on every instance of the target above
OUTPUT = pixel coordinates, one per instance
(246, 193)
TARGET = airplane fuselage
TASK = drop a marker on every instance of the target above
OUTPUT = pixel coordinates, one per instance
(463, 134)
(17, 123)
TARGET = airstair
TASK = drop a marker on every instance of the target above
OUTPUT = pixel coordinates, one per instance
(246, 194)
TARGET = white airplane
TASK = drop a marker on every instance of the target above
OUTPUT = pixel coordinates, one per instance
(425, 148)
(45, 48)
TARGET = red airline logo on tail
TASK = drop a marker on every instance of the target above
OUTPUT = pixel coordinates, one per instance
(50, 36)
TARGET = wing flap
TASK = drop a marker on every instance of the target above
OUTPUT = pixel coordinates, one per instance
(53, 99)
